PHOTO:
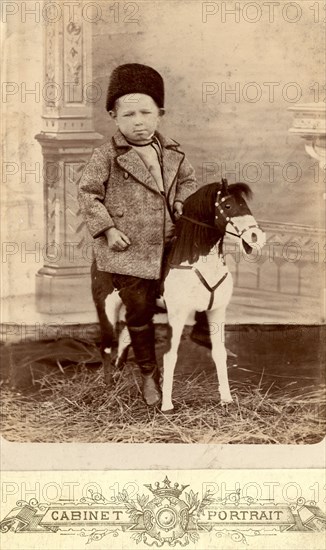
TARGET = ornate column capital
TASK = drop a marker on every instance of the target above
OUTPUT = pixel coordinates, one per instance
(309, 122)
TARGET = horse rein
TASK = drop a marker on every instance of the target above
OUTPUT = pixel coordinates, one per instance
(218, 206)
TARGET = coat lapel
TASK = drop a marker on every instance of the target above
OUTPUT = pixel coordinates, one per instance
(171, 162)
(133, 164)
(130, 162)
(172, 159)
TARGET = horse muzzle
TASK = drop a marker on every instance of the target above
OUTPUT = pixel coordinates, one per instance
(252, 239)
(246, 230)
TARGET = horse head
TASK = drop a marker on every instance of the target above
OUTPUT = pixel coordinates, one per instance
(211, 212)
(233, 216)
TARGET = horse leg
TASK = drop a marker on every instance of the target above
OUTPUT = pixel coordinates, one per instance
(112, 355)
(170, 359)
(107, 341)
(102, 287)
(114, 351)
(124, 344)
(219, 354)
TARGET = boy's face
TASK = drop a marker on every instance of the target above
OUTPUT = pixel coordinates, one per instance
(137, 116)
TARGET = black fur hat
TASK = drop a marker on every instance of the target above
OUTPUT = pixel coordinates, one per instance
(134, 78)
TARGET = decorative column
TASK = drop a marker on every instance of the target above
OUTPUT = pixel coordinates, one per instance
(67, 140)
(310, 123)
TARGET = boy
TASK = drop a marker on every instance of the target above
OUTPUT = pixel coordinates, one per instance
(128, 193)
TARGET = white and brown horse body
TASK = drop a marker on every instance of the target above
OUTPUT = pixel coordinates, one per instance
(198, 278)
(184, 294)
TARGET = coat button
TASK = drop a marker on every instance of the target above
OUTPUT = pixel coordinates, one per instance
(125, 175)
(119, 213)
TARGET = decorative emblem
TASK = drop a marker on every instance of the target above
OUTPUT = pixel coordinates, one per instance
(166, 516)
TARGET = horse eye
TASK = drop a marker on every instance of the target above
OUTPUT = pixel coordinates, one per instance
(227, 206)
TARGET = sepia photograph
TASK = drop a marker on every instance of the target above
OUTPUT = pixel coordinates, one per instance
(163, 222)
(163, 252)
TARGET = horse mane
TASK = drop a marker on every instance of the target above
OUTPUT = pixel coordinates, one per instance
(192, 240)
(240, 189)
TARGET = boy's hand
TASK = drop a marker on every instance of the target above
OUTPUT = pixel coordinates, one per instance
(116, 239)
(178, 208)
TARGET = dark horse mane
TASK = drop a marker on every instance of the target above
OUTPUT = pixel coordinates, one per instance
(192, 240)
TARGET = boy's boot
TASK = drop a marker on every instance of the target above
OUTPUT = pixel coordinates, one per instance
(143, 343)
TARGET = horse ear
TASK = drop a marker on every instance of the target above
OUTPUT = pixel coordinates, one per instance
(224, 185)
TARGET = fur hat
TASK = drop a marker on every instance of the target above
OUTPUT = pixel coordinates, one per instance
(134, 78)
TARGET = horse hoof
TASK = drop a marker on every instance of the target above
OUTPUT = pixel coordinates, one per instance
(168, 411)
(108, 379)
(226, 402)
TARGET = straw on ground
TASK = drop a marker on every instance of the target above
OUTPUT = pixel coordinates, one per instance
(79, 407)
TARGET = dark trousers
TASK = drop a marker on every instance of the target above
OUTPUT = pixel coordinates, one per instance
(139, 297)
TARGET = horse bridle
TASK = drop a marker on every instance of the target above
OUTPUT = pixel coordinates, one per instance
(219, 210)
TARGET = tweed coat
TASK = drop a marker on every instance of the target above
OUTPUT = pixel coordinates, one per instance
(116, 189)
